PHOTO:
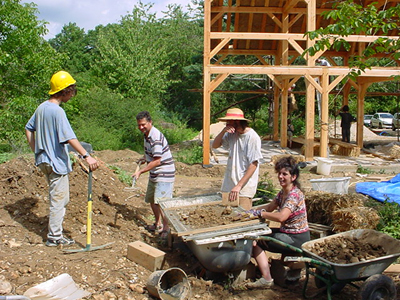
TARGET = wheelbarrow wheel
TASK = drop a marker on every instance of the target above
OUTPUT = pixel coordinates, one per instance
(335, 288)
(376, 287)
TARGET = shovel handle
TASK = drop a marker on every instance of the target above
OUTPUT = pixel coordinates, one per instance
(137, 169)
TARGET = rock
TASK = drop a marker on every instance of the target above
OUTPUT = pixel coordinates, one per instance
(5, 286)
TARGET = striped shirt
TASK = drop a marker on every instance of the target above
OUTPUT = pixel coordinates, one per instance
(295, 202)
(156, 145)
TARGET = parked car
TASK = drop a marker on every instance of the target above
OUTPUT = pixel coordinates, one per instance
(396, 121)
(367, 120)
(382, 120)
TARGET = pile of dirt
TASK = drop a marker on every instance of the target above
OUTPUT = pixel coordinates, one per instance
(119, 217)
(346, 250)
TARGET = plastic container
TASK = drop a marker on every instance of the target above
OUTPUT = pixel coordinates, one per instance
(169, 284)
(324, 166)
(336, 185)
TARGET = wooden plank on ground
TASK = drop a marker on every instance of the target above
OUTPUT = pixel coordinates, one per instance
(393, 269)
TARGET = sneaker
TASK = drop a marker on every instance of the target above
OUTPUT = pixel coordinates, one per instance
(63, 241)
(261, 283)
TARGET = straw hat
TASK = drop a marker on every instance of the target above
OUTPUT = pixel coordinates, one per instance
(233, 114)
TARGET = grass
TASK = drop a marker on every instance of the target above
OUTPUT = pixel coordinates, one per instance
(362, 170)
(4, 157)
(122, 175)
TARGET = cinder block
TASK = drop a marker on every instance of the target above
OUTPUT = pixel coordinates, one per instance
(145, 255)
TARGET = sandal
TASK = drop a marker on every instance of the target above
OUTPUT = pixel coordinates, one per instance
(165, 234)
(154, 228)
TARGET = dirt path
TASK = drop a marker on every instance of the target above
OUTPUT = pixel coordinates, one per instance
(118, 217)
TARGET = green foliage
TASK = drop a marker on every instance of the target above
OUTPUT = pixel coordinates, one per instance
(76, 45)
(13, 117)
(389, 213)
(177, 132)
(122, 175)
(363, 170)
(132, 57)
(353, 18)
(4, 157)
(265, 189)
(26, 60)
(105, 119)
(190, 155)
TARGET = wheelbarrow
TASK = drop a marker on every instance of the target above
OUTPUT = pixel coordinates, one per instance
(333, 277)
(219, 249)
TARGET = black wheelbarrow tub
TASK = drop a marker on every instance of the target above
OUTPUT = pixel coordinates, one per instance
(363, 269)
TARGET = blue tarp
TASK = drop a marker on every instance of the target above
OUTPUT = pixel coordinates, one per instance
(381, 191)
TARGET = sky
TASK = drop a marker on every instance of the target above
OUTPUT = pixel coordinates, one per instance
(87, 14)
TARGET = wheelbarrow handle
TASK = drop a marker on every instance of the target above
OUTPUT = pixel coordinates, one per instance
(311, 261)
(270, 239)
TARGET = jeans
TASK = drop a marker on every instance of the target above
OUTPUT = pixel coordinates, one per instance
(58, 199)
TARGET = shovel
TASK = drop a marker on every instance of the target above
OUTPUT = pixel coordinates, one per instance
(133, 188)
(89, 223)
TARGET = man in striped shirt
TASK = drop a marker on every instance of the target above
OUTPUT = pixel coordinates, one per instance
(161, 167)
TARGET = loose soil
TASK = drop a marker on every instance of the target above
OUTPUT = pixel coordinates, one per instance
(119, 217)
(345, 250)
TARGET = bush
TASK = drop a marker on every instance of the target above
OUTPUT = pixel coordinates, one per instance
(389, 212)
(265, 189)
(190, 155)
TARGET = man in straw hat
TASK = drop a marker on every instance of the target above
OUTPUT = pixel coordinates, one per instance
(244, 145)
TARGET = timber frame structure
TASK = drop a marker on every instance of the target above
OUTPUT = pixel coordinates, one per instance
(276, 28)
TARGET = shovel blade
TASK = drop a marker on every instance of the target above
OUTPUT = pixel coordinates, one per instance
(88, 248)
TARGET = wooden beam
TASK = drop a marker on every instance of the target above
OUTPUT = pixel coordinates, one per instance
(206, 83)
(263, 10)
(295, 36)
(219, 47)
(217, 81)
(296, 46)
(301, 70)
(314, 83)
(275, 19)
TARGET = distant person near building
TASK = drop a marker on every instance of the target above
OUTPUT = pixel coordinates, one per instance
(347, 118)
(290, 131)
(244, 145)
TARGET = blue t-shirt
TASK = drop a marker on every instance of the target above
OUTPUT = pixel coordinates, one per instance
(52, 133)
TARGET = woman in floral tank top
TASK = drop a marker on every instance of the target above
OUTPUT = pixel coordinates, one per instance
(289, 209)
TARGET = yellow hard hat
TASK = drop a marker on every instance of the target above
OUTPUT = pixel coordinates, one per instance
(60, 81)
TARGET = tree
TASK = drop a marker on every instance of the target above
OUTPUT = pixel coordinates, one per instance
(352, 18)
(76, 45)
(185, 62)
(26, 60)
(132, 57)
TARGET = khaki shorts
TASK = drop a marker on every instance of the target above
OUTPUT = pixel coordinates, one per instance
(157, 191)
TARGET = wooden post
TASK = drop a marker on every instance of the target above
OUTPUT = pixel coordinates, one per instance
(323, 150)
(284, 113)
(310, 90)
(206, 83)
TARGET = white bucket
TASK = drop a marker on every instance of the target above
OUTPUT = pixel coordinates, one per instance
(324, 166)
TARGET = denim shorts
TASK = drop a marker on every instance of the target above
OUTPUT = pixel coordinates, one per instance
(157, 191)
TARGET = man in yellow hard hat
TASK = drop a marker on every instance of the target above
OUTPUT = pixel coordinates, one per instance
(244, 145)
(48, 132)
